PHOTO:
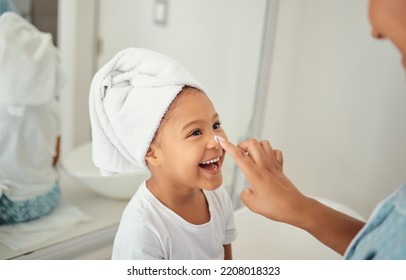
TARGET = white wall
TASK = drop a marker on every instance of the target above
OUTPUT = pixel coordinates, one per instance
(76, 40)
(336, 103)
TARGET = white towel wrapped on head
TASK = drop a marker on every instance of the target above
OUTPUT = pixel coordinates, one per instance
(128, 98)
(30, 67)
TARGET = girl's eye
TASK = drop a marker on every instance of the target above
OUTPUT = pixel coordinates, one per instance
(216, 125)
(196, 132)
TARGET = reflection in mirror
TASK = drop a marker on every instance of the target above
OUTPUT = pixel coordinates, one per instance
(29, 112)
(30, 195)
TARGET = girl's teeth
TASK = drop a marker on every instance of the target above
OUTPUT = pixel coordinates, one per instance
(211, 161)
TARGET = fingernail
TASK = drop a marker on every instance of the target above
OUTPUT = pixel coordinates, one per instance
(218, 138)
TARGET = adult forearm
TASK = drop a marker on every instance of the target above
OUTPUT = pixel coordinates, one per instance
(331, 227)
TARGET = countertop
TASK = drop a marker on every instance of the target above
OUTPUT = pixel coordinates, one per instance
(105, 214)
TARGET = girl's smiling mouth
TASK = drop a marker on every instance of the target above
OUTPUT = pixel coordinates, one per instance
(212, 165)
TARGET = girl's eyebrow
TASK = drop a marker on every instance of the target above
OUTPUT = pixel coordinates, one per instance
(194, 122)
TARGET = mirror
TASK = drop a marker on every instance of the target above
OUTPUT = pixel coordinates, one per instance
(41, 13)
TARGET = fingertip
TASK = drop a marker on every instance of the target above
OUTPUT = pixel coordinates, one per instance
(239, 155)
(223, 142)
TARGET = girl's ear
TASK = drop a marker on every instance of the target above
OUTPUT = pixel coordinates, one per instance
(151, 157)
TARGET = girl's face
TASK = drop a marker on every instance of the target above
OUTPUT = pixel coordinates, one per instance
(185, 149)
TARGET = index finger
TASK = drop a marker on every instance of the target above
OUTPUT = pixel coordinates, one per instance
(235, 152)
(244, 162)
(260, 151)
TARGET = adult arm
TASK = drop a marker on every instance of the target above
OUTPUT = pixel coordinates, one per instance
(274, 196)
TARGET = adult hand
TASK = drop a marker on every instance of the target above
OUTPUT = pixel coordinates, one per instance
(274, 196)
(271, 193)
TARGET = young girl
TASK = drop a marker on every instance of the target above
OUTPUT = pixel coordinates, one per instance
(147, 111)
(30, 74)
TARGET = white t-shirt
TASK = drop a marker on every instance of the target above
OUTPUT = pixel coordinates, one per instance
(27, 147)
(150, 230)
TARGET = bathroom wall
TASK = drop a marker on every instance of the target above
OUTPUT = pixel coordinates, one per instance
(336, 103)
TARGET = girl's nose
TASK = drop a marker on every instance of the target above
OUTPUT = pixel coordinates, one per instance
(213, 143)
